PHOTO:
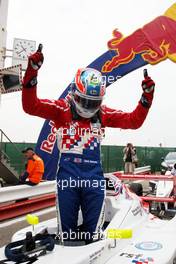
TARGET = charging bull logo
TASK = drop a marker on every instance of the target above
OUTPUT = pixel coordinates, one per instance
(155, 42)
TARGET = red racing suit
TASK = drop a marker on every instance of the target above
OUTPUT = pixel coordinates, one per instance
(79, 145)
(60, 112)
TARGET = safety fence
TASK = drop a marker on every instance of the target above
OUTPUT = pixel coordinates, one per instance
(22, 199)
(112, 156)
(23, 207)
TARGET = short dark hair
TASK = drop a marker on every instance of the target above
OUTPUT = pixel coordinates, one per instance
(25, 150)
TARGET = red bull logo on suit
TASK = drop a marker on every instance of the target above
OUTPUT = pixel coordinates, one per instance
(48, 144)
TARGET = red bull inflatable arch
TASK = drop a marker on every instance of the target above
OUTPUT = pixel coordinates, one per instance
(153, 43)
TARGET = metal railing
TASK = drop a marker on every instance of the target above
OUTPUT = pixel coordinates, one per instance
(23, 199)
(3, 153)
(15, 193)
(143, 170)
(4, 156)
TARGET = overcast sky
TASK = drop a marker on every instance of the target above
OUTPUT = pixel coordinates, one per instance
(74, 33)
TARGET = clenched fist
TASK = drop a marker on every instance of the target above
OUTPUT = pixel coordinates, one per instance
(35, 61)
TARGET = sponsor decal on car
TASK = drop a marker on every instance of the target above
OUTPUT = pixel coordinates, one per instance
(149, 245)
(138, 258)
(137, 210)
(94, 256)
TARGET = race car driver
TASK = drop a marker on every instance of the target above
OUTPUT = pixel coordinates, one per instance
(80, 119)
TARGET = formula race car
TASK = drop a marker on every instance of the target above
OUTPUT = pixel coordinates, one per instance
(131, 235)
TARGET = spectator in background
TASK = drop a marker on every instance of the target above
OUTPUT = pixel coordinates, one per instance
(34, 168)
(129, 157)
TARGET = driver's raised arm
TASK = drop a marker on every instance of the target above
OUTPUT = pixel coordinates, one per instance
(135, 119)
(48, 109)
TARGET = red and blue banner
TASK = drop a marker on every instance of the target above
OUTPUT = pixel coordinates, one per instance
(153, 43)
